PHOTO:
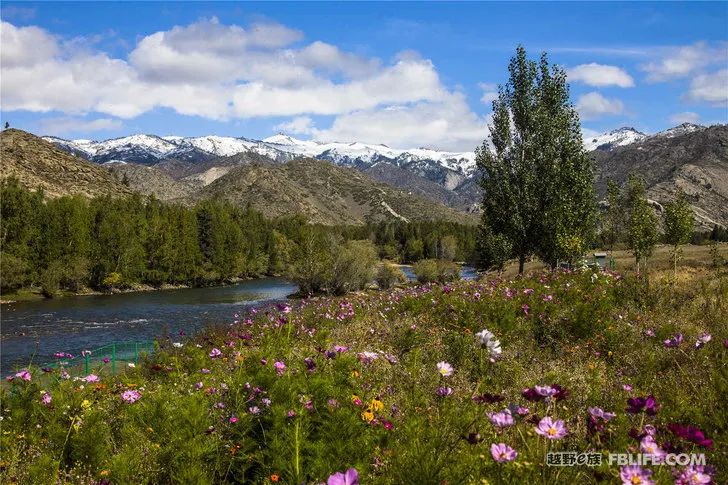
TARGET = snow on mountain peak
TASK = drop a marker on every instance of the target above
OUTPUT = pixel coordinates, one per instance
(615, 138)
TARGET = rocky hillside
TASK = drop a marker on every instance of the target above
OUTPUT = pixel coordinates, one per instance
(325, 193)
(693, 160)
(150, 181)
(41, 164)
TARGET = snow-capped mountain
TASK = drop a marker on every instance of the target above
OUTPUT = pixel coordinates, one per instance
(150, 149)
(615, 138)
(681, 130)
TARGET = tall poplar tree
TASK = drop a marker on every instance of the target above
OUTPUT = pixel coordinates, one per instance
(538, 192)
(678, 226)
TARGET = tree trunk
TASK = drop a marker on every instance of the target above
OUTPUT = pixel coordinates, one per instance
(521, 262)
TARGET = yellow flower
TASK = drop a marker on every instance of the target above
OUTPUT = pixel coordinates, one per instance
(104, 473)
(239, 358)
(355, 373)
(377, 405)
(85, 404)
(367, 415)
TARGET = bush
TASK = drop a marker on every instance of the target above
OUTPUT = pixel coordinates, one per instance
(353, 267)
(436, 271)
(389, 275)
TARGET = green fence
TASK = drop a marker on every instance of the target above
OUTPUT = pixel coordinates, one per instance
(115, 356)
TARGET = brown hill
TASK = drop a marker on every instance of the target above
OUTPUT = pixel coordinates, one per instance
(325, 193)
(696, 163)
(40, 164)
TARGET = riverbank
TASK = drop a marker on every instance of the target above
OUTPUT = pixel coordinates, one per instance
(36, 293)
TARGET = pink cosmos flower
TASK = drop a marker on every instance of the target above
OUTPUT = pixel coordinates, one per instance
(444, 369)
(106, 360)
(215, 353)
(502, 453)
(649, 332)
(91, 378)
(635, 475)
(648, 446)
(695, 475)
(254, 410)
(551, 429)
(349, 477)
(280, 367)
(46, 398)
(547, 297)
(367, 357)
(24, 374)
(501, 419)
(205, 371)
(233, 419)
(131, 396)
(545, 391)
(199, 385)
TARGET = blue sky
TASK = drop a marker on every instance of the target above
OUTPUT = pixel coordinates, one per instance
(404, 74)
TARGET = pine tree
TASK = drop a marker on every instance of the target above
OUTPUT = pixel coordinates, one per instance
(537, 179)
(678, 226)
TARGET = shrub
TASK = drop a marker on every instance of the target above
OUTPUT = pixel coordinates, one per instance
(353, 267)
(436, 271)
(389, 275)
(14, 273)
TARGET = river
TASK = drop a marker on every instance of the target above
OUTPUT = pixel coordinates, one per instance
(37, 329)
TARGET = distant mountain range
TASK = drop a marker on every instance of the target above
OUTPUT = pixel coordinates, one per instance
(691, 157)
(323, 192)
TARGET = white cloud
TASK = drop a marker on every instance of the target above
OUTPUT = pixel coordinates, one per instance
(711, 88)
(66, 124)
(490, 93)
(685, 117)
(224, 72)
(593, 105)
(300, 125)
(600, 75)
(446, 125)
(683, 61)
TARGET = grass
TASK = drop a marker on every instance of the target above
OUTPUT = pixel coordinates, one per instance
(693, 256)
(298, 394)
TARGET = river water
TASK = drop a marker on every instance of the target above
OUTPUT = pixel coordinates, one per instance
(35, 330)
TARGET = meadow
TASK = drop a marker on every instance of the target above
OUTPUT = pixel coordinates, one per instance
(467, 382)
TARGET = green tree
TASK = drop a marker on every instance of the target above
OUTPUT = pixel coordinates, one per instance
(352, 267)
(642, 222)
(538, 195)
(614, 217)
(678, 226)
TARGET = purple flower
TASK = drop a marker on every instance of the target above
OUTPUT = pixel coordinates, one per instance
(215, 353)
(691, 433)
(647, 404)
(545, 391)
(551, 429)
(702, 340)
(280, 367)
(444, 369)
(205, 371)
(131, 396)
(501, 419)
(695, 475)
(444, 391)
(635, 475)
(91, 378)
(367, 357)
(254, 410)
(340, 349)
(600, 413)
(291, 413)
(199, 385)
(674, 341)
(46, 398)
(106, 360)
(310, 364)
(233, 419)
(502, 453)
(649, 332)
(349, 477)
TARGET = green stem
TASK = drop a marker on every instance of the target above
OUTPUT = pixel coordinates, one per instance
(298, 455)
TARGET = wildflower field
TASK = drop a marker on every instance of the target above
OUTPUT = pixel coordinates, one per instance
(471, 382)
